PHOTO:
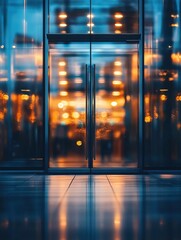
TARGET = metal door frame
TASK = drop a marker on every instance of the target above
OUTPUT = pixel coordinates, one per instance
(127, 38)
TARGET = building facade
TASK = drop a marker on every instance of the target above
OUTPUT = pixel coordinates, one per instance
(90, 87)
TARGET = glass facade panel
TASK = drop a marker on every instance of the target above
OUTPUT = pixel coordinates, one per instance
(116, 104)
(162, 84)
(116, 16)
(21, 120)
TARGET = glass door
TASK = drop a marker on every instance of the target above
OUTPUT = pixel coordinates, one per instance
(116, 105)
(68, 104)
(93, 105)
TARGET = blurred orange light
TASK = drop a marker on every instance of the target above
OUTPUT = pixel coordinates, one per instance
(114, 104)
(118, 15)
(64, 82)
(24, 97)
(128, 98)
(60, 105)
(117, 31)
(78, 80)
(65, 115)
(118, 24)
(178, 98)
(63, 16)
(63, 93)
(90, 15)
(62, 63)
(117, 63)
(116, 93)
(148, 119)
(116, 82)
(79, 143)
(90, 24)
(75, 115)
(174, 25)
(62, 73)
(117, 73)
(163, 97)
(62, 24)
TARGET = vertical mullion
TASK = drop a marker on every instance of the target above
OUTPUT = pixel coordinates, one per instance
(91, 95)
(45, 84)
(141, 86)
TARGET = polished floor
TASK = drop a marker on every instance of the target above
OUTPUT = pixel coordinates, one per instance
(103, 207)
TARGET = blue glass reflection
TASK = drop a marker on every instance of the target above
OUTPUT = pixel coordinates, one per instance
(163, 83)
(21, 124)
(76, 17)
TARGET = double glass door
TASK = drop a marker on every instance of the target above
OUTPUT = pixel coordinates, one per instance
(93, 104)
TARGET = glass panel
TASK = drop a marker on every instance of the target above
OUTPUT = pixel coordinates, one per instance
(116, 16)
(116, 74)
(163, 83)
(69, 16)
(67, 104)
(21, 130)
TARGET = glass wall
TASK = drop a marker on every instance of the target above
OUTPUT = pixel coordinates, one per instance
(116, 16)
(162, 83)
(21, 131)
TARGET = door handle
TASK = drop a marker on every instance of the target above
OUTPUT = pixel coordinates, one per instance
(86, 111)
(94, 111)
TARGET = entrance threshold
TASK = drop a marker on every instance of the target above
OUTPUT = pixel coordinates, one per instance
(94, 171)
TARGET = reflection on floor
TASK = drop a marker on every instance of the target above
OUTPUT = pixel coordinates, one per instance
(80, 162)
(125, 207)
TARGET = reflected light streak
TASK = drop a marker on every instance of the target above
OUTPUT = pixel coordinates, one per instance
(175, 15)
(117, 31)
(117, 63)
(118, 15)
(90, 24)
(63, 15)
(118, 24)
(2, 46)
(62, 24)
(90, 16)
(13, 46)
(174, 25)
